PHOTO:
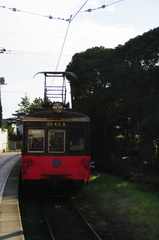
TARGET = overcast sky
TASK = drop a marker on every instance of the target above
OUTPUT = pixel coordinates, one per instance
(33, 41)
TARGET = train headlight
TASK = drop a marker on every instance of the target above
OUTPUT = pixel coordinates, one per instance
(57, 107)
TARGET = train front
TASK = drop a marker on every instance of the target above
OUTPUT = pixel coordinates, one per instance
(56, 144)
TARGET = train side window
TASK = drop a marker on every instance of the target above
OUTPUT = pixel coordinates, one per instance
(56, 141)
(35, 140)
(76, 141)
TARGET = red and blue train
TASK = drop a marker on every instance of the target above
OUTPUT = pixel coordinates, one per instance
(56, 143)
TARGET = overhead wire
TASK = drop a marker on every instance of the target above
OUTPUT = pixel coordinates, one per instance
(36, 14)
(51, 17)
(65, 37)
(30, 53)
(63, 44)
(18, 92)
(60, 18)
(72, 17)
(69, 20)
(101, 7)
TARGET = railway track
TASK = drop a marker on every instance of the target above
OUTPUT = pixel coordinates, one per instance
(64, 221)
(54, 218)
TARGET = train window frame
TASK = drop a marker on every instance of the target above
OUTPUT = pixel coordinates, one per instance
(76, 148)
(29, 138)
(64, 141)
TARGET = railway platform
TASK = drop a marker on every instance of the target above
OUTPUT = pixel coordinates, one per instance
(10, 219)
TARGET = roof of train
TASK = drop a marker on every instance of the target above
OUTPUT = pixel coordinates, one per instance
(51, 115)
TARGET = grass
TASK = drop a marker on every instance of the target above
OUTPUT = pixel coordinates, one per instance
(108, 197)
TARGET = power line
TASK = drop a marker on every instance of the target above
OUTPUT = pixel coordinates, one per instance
(36, 14)
(60, 18)
(27, 53)
(72, 17)
(63, 44)
(70, 20)
(18, 92)
(101, 7)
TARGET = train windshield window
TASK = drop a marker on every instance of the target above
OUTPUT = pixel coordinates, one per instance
(76, 141)
(56, 141)
(35, 140)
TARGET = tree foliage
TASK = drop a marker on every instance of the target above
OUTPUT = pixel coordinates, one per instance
(119, 89)
(25, 106)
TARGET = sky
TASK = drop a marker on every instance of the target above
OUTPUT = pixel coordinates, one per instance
(33, 42)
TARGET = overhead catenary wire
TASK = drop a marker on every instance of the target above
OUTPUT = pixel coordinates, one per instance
(65, 37)
(101, 7)
(69, 20)
(29, 53)
(18, 92)
(63, 44)
(50, 17)
(72, 17)
(36, 14)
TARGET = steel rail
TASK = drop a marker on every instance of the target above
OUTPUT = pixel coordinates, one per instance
(87, 223)
(47, 223)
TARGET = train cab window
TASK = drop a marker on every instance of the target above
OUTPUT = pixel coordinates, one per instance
(35, 140)
(76, 141)
(56, 141)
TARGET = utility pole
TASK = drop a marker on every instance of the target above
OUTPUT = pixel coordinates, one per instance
(2, 82)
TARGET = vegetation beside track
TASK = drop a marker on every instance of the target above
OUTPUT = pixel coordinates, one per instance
(119, 209)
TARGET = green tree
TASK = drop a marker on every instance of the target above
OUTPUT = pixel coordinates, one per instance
(93, 69)
(119, 89)
(24, 108)
(36, 104)
(93, 72)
